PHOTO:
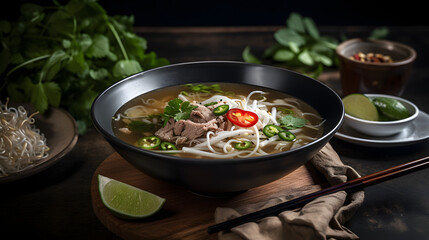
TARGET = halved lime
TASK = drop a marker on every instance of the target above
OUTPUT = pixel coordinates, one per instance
(360, 106)
(126, 201)
(391, 108)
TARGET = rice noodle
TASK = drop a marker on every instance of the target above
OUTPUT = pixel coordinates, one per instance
(22, 146)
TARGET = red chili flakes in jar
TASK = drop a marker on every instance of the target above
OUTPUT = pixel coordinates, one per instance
(371, 57)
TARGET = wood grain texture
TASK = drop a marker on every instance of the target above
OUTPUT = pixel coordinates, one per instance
(185, 215)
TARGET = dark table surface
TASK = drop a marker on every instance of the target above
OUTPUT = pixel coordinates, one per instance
(56, 203)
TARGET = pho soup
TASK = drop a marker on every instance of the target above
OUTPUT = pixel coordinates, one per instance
(217, 120)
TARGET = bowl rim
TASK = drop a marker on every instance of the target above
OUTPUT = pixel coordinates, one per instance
(409, 59)
(123, 144)
(387, 123)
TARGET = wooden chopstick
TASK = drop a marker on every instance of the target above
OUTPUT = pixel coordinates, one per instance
(349, 186)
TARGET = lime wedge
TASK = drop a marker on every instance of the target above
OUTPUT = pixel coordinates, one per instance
(360, 106)
(391, 108)
(126, 201)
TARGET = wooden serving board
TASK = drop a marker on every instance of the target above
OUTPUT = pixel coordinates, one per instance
(185, 215)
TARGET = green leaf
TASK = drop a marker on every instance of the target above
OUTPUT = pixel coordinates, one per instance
(81, 126)
(150, 61)
(178, 110)
(60, 23)
(328, 42)
(53, 93)
(84, 41)
(99, 48)
(39, 98)
(53, 65)
(173, 107)
(379, 33)
(77, 63)
(295, 22)
(99, 74)
(270, 51)
(249, 57)
(290, 122)
(294, 47)
(81, 103)
(311, 28)
(286, 36)
(325, 60)
(32, 13)
(306, 58)
(283, 55)
(125, 68)
(135, 44)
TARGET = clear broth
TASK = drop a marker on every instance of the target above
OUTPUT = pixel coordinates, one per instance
(161, 97)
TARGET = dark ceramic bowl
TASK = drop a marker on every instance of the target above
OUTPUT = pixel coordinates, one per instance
(369, 77)
(213, 176)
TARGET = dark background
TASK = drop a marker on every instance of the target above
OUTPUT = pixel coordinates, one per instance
(263, 12)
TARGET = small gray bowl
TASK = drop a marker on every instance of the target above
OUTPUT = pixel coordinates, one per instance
(213, 176)
(383, 128)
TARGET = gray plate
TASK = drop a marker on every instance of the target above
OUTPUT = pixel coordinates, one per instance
(61, 133)
(417, 131)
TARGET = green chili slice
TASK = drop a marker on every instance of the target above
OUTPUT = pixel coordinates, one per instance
(151, 142)
(168, 146)
(242, 145)
(287, 136)
(220, 110)
(271, 130)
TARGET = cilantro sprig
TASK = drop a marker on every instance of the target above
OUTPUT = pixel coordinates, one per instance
(291, 122)
(178, 109)
(65, 55)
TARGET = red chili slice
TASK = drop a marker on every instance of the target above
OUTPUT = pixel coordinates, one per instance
(241, 117)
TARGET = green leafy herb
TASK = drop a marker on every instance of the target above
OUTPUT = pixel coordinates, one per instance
(291, 122)
(65, 55)
(249, 57)
(203, 88)
(300, 46)
(178, 109)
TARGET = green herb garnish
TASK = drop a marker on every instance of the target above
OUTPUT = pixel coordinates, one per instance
(178, 109)
(291, 122)
(65, 55)
(203, 88)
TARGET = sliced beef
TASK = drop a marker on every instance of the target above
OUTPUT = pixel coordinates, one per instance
(200, 122)
(166, 133)
(201, 114)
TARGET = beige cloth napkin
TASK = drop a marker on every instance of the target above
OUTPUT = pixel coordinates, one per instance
(322, 218)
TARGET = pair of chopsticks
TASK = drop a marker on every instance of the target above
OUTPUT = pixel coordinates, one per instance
(349, 186)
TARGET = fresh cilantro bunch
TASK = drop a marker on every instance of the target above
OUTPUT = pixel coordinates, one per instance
(299, 45)
(64, 55)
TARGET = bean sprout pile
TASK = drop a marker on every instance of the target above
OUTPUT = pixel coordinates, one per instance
(22, 146)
